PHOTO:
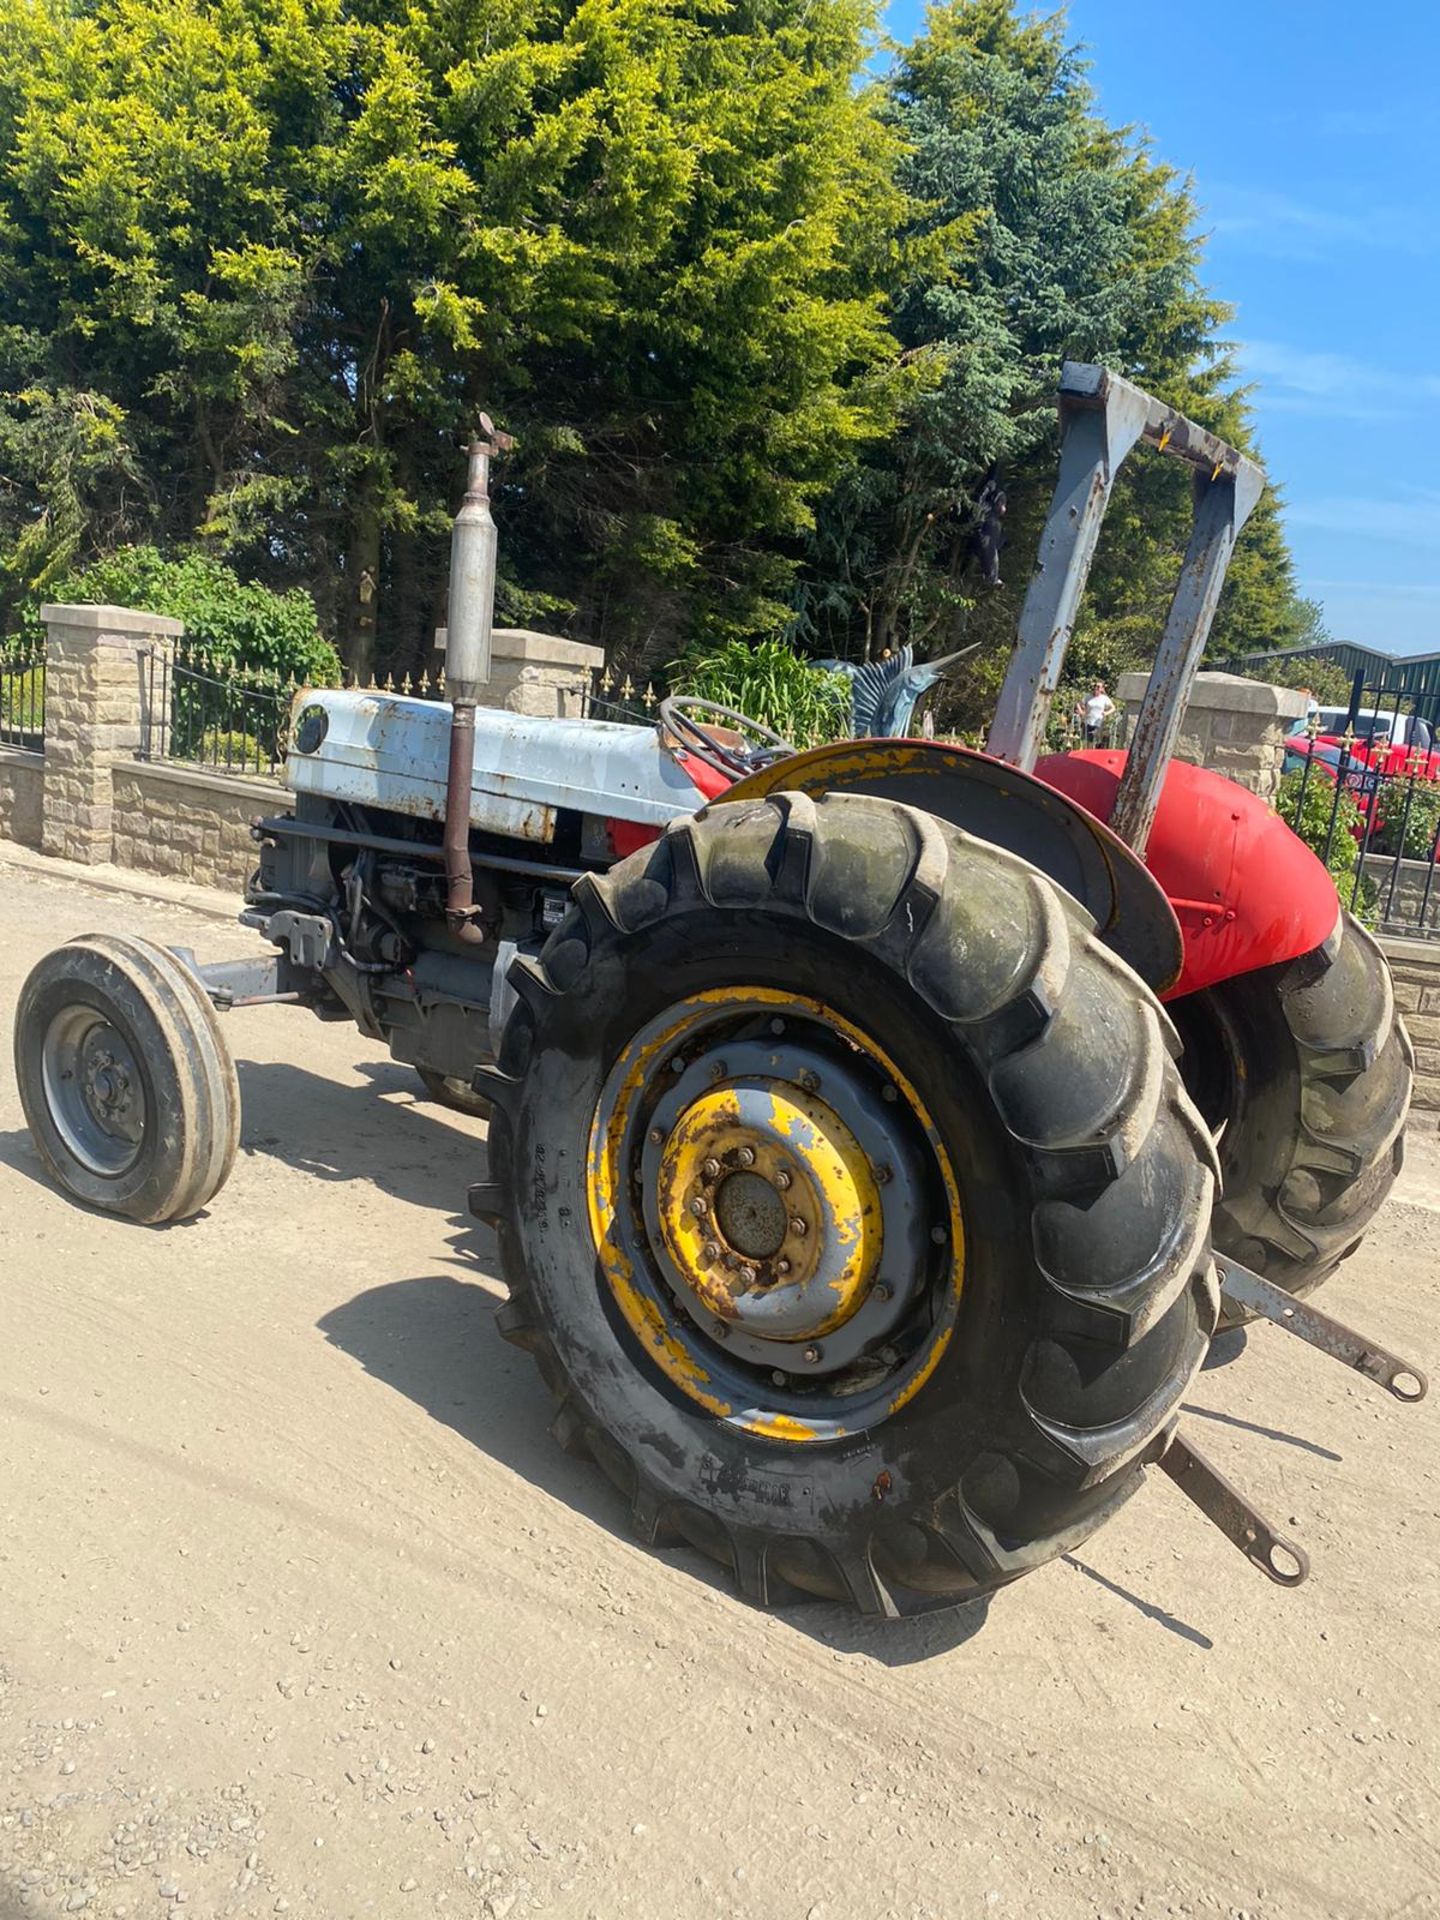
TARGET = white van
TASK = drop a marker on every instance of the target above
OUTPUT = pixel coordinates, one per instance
(1371, 723)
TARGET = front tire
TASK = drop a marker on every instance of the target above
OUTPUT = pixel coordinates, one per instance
(1305, 1070)
(127, 1084)
(870, 1004)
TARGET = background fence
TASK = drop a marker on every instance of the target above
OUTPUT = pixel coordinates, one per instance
(200, 711)
(22, 693)
(618, 698)
(1362, 786)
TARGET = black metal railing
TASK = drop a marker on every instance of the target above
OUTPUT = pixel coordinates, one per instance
(22, 693)
(618, 698)
(203, 712)
(1361, 785)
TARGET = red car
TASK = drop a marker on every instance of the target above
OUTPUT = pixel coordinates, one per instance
(1368, 769)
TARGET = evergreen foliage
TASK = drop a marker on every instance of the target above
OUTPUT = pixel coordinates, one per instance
(761, 324)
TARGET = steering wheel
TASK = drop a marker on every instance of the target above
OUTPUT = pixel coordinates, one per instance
(677, 714)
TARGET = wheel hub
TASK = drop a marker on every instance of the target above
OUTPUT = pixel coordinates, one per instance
(93, 1090)
(769, 1209)
(774, 1214)
(751, 1214)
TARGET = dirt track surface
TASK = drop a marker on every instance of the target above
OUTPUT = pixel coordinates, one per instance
(301, 1609)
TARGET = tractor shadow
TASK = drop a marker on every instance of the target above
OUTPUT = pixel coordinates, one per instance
(432, 1337)
(384, 1133)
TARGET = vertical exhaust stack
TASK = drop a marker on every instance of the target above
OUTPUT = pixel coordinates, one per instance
(471, 616)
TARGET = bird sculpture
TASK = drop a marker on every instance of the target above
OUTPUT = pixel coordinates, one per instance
(884, 692)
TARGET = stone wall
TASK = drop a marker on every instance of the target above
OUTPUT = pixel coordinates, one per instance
(537, 673)
(1234, 725)
(22, 795)
(189, 824)
(93, 700)
(1415, 965)
(1407, 893)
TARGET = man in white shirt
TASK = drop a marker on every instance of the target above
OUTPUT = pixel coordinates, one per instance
(1095, 711)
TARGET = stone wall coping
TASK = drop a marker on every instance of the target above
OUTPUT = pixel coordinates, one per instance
(1412, 952)
(537, 649)
(22, 757)
(264, 792)
(1229, 692)
(88, 619)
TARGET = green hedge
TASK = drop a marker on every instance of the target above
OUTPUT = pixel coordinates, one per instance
(237, 622)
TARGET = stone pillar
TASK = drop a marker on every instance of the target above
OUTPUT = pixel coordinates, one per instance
(94, 683)
(1234, 725)
(538, 673)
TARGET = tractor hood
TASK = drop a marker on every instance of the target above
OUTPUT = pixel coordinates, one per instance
(384, 750)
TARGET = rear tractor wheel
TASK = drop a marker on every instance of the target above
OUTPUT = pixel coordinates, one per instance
(128, 1086)
(1304, 1073)
(850, 1201)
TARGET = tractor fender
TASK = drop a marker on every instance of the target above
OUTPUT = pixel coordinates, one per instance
(1247, 892)
(1011, 809)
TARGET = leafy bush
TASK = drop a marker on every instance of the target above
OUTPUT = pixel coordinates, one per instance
(235, 750)
(1305, 806)
(1329, 683)
(771, 683)
(22, 696)
(236, 622)
(1420, 817)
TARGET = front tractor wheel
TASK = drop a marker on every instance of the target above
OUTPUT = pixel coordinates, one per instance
(128, 1086)
(849, 1201)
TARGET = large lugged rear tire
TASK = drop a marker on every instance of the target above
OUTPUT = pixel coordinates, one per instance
(1308, 1068)
(127, 1084)
(875, 1008)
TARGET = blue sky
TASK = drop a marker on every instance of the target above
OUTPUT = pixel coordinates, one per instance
(1312, 132)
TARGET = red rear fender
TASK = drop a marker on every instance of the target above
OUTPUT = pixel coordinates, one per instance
(1246, 891)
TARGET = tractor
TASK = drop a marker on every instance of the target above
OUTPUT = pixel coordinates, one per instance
(879, 1134)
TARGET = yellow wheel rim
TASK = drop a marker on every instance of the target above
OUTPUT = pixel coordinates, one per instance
(775, 1214)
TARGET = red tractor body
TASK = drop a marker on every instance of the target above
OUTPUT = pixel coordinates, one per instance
(1246, 891)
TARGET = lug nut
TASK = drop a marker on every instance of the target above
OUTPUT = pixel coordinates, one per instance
(656, 1136)
(798, 1227)
(782, 1178)
(677, 1065)
(779, 1379)
(721, 1330)
(810, 1081)
(883, 1176)
(812, 1354)
(777, 1027)
(747, 1276)
(699, 1207)
(891, 1094)
(884, 1290)
(717, 1071)
(709, 1253)
(746, 1156)
(939, 1236)
(710, 1169)
(782, 1266)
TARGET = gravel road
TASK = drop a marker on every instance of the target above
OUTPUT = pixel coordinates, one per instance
(302, 1611)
